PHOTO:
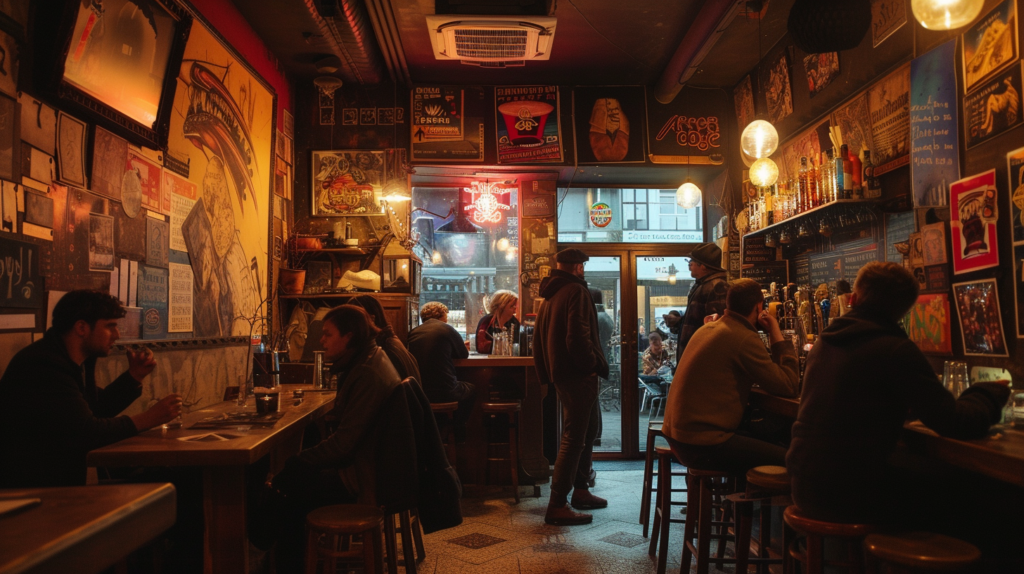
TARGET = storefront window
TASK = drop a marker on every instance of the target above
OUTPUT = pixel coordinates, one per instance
(469, 244)
(606, 215)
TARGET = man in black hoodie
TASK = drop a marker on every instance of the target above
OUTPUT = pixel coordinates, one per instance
(863, 377)
(567, 352)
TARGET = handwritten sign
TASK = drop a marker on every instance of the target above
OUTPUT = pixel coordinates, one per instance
(826, 268)
(934, 150)
(767, 273)
(21, 285)
(755, 251)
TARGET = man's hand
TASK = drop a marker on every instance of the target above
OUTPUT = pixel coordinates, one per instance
(141, 363)
(166, 410)
(769, 324)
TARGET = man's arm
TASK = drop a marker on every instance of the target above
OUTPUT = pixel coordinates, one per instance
(459, 348)
(779, 374)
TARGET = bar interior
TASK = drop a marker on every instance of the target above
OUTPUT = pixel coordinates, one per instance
(473, 285)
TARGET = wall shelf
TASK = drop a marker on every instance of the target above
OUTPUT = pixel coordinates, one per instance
(820, 210)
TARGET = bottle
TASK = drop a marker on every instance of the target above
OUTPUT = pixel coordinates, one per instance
(872, 187)
(812, 179)
(844, 156)
(805, 183)
(857, 171)
(837, 166)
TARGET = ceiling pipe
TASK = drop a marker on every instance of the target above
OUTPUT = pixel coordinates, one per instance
(350, 37)
(711, 21)
(383, 19)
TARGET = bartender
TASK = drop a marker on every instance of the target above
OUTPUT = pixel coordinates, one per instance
(501, 314)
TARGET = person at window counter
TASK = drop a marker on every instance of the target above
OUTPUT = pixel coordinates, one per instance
(501, 314)
(401, 359)
(53, 413)
(706, 297)
(435, 344)
(656, 356)
(863, 376)
(713, 380)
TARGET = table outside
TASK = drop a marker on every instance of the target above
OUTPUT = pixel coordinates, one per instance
(82, 529)
(223, 464)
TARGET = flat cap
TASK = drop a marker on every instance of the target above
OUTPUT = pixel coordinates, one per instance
(571, 256)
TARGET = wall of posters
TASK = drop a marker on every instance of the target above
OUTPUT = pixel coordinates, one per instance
(990, 43)
(973, 213)
(776, 87)
(993, 108)
(447, 124)
(889, 106)
(928, 324)
(887, 16)
(347, 183)
(528, 124)
(981, 325)
(611, 124)
(934, 151)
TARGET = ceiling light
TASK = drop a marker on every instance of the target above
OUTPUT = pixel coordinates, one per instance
(764, 172)
(946, 14)
(759, 139)
(688, 195)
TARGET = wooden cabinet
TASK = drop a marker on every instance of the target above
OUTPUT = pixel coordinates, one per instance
(401, 309)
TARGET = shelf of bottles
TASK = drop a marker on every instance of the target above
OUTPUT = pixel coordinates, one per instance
(820, 184)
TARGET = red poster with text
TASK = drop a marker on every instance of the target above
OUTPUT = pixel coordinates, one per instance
(973, 214)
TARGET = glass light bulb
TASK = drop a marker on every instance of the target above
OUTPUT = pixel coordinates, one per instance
(502, 244)
(946, 14)
(688, 196)
(759, 139)
(764, 172)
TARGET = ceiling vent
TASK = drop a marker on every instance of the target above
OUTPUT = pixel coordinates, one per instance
(491, 41)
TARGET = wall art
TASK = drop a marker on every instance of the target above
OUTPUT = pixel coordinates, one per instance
(610, 123)
(38, 123)
(973, 213)
(109, 154)
(854, 120)
(776, 86)
(347, 182)
(981, 325)
(157, 242)
(889, 106)
(448, 123)
(687, 130)
(101, 242)
(528, 126)
(1015, 166)
(928, 324)
(887, 16)
(8, 64)
(743, 101)
(933, 243)
(821, 69)
(153, 297)
(1018, 287)
(8, 137)
(21, 283)
(71, 150)
(934, 126)
(141, 180)
(993, 108)
(990, 43)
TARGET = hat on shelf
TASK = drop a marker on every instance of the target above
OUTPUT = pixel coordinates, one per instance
(708, 255)
(366, 280)
(571, 256)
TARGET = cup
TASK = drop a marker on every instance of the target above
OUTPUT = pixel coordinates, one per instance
(267, 401)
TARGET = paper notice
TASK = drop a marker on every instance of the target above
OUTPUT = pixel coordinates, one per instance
(180, 311)
(180, 207)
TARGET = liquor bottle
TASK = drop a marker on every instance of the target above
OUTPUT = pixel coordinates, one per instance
(837, 166)
(769, 207)
(812, 168)
(872, 187)
(805, 183)
(844, 155)
(857, 171)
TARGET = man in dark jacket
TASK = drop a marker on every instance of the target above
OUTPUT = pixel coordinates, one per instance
(53, 413)
(435, 344)
(567, 352)
(863, 377)
(707, 295)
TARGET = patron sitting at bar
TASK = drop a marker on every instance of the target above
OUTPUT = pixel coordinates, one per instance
(712, 382)
(863, 377)
(53, 413)
(401, 359)
(501, 314)
(435, 344)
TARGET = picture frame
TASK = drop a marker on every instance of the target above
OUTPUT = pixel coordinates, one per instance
(73, 42)
(71, 136)
(347, 183)
(981, 322)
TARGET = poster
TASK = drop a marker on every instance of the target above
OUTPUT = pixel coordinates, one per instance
(109, 153)
(993, 108)
(689, 129)
(933, 244)
(804, 145)
(142, 180)
(347, 182)
(821, 69)
(1018, 287)
(447, 123)
(9, 69)
(889, 106)
(854, 121)
(743, 101)
(527, 119)
(21, 283)
(928, 324)
(990, 43)
(1015, 165)
(887, 16)
(776, 87)
(71, 150)
(934, 151)
(973, 213)
(981, 325)
(179, 312)
(156, 242)
(8, 136)
(611, 124)
(101, 242)
(152, 297)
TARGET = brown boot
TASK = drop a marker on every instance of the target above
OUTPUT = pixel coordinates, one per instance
(565, 516)
(584, 500)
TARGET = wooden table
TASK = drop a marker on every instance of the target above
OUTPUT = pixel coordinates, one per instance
(82, 529)
(223, 465)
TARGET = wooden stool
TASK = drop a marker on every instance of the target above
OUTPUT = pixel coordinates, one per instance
(328, 537)
(663, 507)
(412, 536)
(449, 437)
(816, 531)
(704, 487)
(512, 411)
(921, 552)
(653, 432)
(763, 484)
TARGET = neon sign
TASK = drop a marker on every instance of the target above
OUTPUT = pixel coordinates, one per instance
(484, 204)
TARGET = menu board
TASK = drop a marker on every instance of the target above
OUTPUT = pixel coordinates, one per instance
(854, 259)
(826, 268)
(802, 271)
(755, 251)
(767, 273)
(898, 227)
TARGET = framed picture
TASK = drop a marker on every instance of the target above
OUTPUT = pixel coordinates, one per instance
(981, 325)
(71, 150)
(8, 137)
(611, 124)
(821, 69)
(347, 182)
(776, 86)
(1018, 288)
(973, 209)
(1015, 166)
(990, 43)
(928, 324)
(117, 64)
(743, 100)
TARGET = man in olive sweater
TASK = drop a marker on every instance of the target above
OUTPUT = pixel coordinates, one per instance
(712, 383)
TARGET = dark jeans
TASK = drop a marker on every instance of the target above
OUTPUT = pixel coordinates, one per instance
(737, 455)
(581, 419)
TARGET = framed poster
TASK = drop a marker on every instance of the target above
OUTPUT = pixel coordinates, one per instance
(933, 243)
(71, 150)
(776, 86)
(973, 213)
(804, 145)
(611, 124)
(855, 122)
(142, 180)
(1015, 166)
(109, 153)
(743, 100)
(101, 242)
(527, 119)
(889, 109)
(347, 182)
(23, 289)
(981, 325)
(990, 43)
(887, 16)
(821, 69)
(935, 146)
(994, 108)
(8, 137)
(688, 130)
(447, 123)
(928, 324)
(9, 67)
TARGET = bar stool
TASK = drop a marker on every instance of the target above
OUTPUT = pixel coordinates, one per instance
(449, 437)
(653, 432)
(663, 507)
(412, 537)
(763, 484)
(705, 487)
(816, 531)
(511, 410)
(329, 531)
(921, 552)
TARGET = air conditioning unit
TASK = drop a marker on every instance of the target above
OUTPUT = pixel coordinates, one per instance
(491, 41)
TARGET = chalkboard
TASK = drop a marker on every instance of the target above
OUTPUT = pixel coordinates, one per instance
(898, 227)
(754, 251)
(19, 273)
(853, 260)
(767, 273)
(826, 268)
(802, 271)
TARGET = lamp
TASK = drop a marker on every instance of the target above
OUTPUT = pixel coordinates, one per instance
(759, 139)
(946, 14)
(672, 271)
(688, 195)
(395, 191)
(764, 172)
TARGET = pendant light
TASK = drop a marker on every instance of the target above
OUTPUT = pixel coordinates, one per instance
(764, 172)
(946, 14)
(759, 139)
(688, 195)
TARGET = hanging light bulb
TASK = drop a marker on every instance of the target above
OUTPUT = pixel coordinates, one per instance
(759, 139)
(688, 195)
(946, 14)
(503, 244)
(764, 172)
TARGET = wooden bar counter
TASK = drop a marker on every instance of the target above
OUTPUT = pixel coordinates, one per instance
(499, 378)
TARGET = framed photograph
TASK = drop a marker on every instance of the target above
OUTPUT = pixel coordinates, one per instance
(973, 209)
(347, 182)
(994, 108)
(1015, 165)
(928, 324)
(611, 124)
(981, 325)
(116, 64)
(990, 43)
(71, 150)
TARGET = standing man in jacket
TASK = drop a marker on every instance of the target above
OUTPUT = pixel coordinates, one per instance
(568, 354)
(706, 297)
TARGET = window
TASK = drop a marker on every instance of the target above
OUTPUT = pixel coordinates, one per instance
(637, 216)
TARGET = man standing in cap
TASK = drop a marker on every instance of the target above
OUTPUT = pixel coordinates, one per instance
(707, 295)
(568, 354)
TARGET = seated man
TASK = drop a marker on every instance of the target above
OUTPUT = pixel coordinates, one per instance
(53, 413)
(435, 344)
(863, 377)
(722, 361)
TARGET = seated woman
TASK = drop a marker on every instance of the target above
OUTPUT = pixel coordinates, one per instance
(656, 356)
(501, 307)
(400, 357)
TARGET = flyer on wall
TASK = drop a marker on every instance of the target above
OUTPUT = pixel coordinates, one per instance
(527, 124)
(973, 213)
